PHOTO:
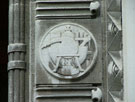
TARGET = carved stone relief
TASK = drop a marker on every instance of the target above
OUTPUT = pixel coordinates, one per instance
(114, 49)
(68, 50)
(65, 51)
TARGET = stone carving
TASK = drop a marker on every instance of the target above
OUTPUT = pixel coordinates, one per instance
(115, 59)
(87, 9)
(94, 6)
(68, 50)
(96, 95)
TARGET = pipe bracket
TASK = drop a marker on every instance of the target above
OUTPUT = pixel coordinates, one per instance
(16, 47)
(16, 64)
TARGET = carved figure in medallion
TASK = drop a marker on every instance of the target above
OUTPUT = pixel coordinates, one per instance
(68, 50)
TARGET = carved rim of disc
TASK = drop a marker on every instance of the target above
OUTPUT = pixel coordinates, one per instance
(71, 56)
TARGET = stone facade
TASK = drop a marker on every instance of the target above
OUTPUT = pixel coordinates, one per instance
(65, 50)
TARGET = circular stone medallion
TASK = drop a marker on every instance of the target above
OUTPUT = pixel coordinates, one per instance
(68, 51)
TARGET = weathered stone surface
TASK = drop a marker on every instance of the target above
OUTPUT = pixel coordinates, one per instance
(62, 51)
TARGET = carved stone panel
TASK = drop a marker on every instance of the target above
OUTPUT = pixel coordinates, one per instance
(73, 53)
(115, 51)
(68, 60)
(68, 50)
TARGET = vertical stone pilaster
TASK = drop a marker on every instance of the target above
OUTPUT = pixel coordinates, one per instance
(16, 51)
(114, 51)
